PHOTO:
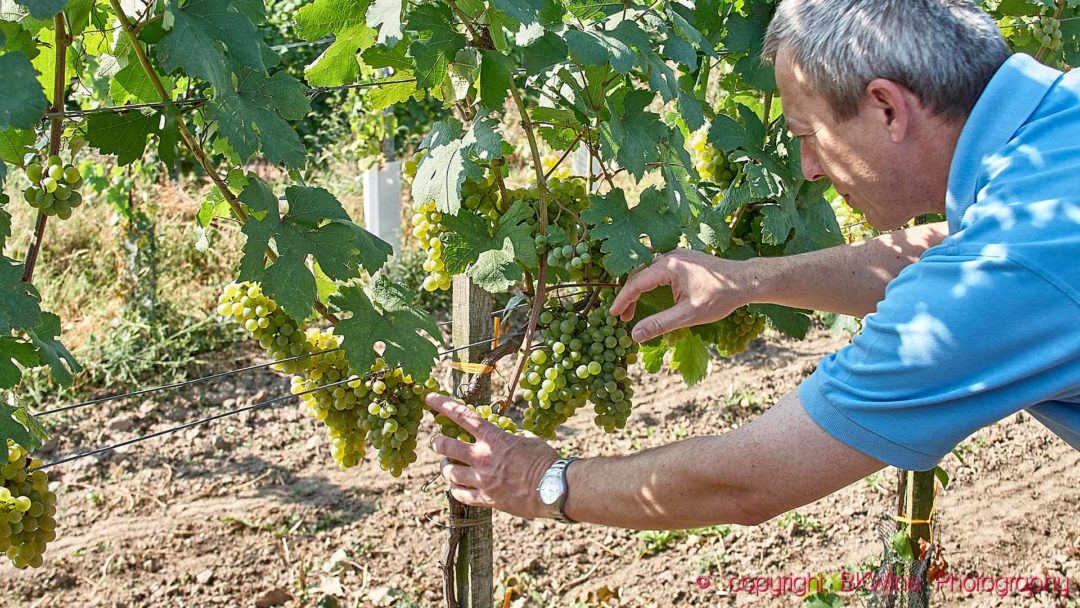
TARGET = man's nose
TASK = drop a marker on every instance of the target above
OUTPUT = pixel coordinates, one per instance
(811, 167)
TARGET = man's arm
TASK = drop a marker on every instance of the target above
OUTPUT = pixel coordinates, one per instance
(780, 461)
(847, 279)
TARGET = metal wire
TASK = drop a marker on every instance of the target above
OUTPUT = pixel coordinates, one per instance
(165, 387)
(198, 101)
(218, 416)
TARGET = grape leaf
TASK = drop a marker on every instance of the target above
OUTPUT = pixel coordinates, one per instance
(527, 12)
(315, 226)
(680, 178)
(131, 84)
(544, 53)
(621, 237)
(20, 307)
(384, 16)
(633, 135)
(691, 111)
(15, 144)
(495, 79)
(691, 359)
(596, 47)
(436, 43)
(255, 115)
(22, 100)
(397, 328)
(43, 9)
(52, 352)
(207, 35)
(123, 135)
(14, 351)
(652, 356)
(347, 21)
(492, 257)
(450, 160)
(19, 426)
(384, 96)
(792, 322)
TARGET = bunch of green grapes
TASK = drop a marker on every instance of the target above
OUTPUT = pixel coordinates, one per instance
(451, 429)
(27, 509)
(548, 161)
(852, 222)
(428, 231)
(583, 357)
(738, 329)
(54, 188)
(1047, 31)
(482, 197)
(395, 408)
(567, 197)
(711, 164)
(277, 334)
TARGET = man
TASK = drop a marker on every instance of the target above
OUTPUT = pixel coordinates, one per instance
(909, 107)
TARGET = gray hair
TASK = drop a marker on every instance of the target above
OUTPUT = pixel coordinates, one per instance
(944, 51)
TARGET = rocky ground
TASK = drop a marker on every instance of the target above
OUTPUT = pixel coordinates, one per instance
(251, 511)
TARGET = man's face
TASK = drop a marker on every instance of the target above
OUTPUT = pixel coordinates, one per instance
(857, 154)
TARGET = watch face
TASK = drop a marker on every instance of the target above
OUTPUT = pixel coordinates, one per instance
(550, 490)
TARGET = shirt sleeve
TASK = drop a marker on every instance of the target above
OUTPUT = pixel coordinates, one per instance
(960, 342)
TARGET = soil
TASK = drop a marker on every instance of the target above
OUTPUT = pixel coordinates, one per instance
(251, 511)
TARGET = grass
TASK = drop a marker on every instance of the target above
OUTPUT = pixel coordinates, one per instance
(656, 541)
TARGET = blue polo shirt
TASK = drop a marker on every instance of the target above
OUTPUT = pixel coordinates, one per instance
(987, 323)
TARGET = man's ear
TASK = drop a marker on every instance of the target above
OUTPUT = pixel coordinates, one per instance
(891, 105)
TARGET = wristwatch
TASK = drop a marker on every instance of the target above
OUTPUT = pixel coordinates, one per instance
(553, 491)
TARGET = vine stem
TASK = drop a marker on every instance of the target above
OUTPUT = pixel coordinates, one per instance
(541, 224)
(189, 139)
(56, 125)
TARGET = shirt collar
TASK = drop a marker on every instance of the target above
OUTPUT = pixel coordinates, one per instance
(1013, 95)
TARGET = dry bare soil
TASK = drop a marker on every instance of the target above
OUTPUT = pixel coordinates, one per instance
(251, 511)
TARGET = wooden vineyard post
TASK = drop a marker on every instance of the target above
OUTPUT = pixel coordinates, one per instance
(915, 514)
(473, 567)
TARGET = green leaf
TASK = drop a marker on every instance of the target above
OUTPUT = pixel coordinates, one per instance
(495, 79)
(43, 9)
(22, 100)
(255, 117)
(20, 307)
(494, 259)
(435, 44)
(52, 352)
(942, 476)
(633, 135)
(652, 356)
(621, 228)
(315, 226)
(450, 160)
(14, 351)
(661, 77)
(18, 425)
(347, 21)
(131, 84)
(207, 35)
(596, 47)
(680, 178)
(690, 357)
(792, 322)
(691, 111)
(123, 135)
(384, 16)
(528, 12)
(15, 144)
(728, 135)
(546, 52)
(386, 95)
(397, 328)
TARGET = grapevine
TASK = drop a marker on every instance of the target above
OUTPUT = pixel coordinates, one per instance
(27, 509)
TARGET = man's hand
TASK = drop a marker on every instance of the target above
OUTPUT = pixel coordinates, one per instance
(706, 289)
(500, 470)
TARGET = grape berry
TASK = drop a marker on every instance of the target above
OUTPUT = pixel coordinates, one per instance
(54, 188)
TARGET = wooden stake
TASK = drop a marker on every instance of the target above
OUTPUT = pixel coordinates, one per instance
(473, 568)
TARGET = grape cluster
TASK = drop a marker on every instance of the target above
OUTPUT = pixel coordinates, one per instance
(428, 231)
(54, 187)
(581, 261)
(482, 197)
(549, 161)
(738, 329)
(711, 164)
(584, 357)
(382, 408)
(451, 429)
(1047, 31)
(27, 509)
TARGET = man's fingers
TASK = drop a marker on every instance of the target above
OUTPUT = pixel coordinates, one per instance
(647, 280)
(471, 497)
(454, 449)
(463, 416)
(460, 475)
(661, 323)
